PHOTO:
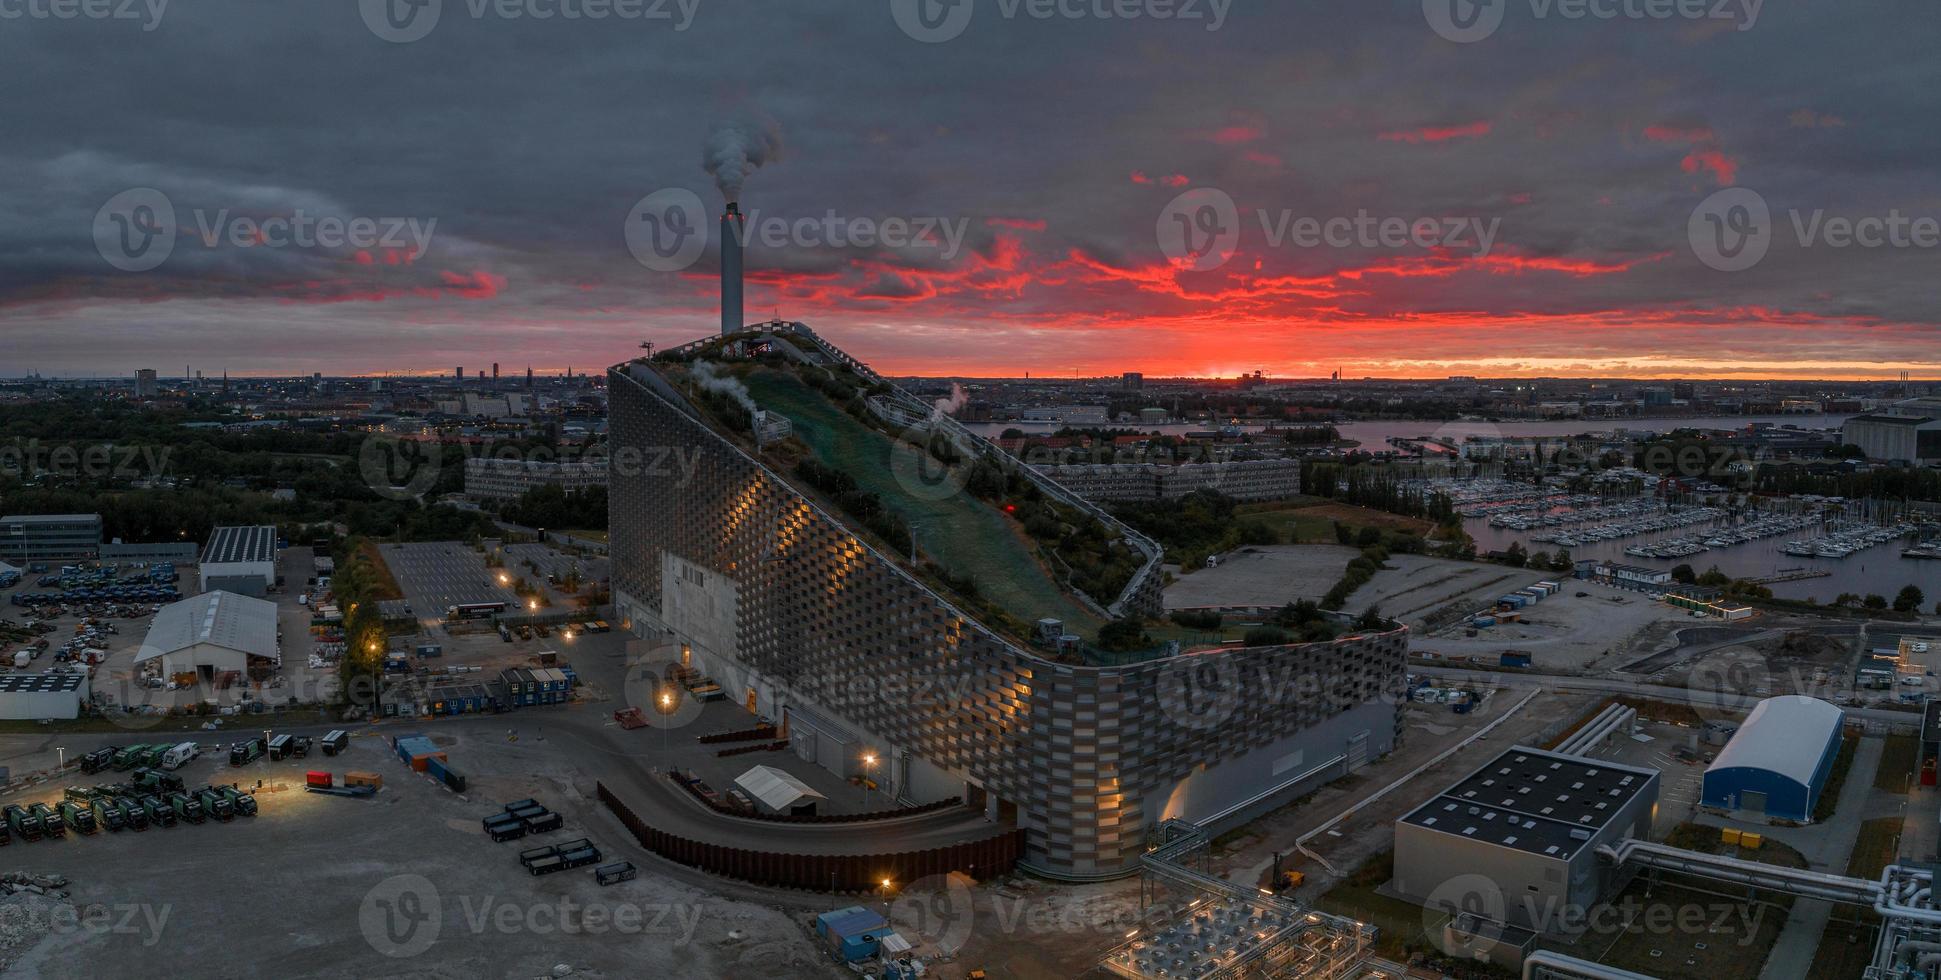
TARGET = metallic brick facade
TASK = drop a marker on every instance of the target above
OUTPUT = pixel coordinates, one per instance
(1089, 756)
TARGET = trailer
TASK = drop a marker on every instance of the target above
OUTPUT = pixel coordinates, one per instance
(544, 823)
(615, 873)
(506, 830)
(579, 857)
(335, 742)
(531, 854)
(347, 791)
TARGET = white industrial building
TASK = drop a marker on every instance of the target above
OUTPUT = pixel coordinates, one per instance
(779, 792)
(32, 697)
(1907, 432)
(213, 634)
(240, 560)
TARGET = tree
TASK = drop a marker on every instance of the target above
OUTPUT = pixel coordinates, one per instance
(1909, 600)
(1684, 574)
(1515, 556)
(1715, 579)
(1847, 600)
(1122, 635)
(1875, 603)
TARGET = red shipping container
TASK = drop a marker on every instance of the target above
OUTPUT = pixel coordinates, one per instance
(315, 778)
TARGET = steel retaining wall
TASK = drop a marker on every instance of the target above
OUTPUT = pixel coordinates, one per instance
(823, 872)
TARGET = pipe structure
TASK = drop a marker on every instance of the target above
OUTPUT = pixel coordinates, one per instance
(732, 232)
(1547, 965)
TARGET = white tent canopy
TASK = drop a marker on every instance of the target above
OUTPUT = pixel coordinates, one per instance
(776, 789)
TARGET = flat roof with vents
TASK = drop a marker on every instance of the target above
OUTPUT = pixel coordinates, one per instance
(39, 683)
(240, 544)
(1537, 801)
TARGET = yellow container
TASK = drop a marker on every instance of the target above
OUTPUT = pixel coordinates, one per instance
(1751, 841)
(1728, 836)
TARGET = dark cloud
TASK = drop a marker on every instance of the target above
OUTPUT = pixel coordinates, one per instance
(528, 142)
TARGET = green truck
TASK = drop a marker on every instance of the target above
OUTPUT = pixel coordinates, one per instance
(78, 815)
(126, 756)
(244, 803)
(215, 804)
(157, 781)
(24, 823)
(187, 807)
(50, 822)
(106, 813)
(157, 811)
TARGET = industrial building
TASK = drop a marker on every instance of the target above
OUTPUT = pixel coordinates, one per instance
(1907, 432)
(1777, 763)
(506, 480)
(240, 560)
(210, 636)
(756, 585)
(32, 697)
(1530, 823)
(49, 537)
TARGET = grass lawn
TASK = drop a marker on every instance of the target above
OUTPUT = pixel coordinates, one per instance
(1847, 946)
(600, 536)
(1897, 761)
(1315, 511)
(956, 531)
(1875, 848)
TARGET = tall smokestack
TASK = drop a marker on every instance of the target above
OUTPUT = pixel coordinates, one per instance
(732, 228)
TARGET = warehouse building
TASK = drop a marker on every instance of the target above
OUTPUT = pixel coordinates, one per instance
(1525, 828)
(240, 560)
(1777, 763)
(212, 635)
(49, 537)
(506, 480)
(1908, 432)
(33, 697)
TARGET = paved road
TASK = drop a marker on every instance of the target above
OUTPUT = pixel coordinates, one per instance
(1827, 847)
(1656, 692)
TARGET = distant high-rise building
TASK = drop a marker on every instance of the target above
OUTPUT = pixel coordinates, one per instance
(1132, 381)
(495, 372)
(458, 373)
(528, 375)
(145, 384)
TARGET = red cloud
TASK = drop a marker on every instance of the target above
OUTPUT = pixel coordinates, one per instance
(1673, 134)
(1020, 224)
(1722, 167)
(1235, 135)
(1438, 134)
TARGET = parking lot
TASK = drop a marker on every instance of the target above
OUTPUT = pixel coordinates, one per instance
(402, 884)
(439, 575)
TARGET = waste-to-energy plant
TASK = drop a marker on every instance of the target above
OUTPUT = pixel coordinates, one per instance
(874, 582)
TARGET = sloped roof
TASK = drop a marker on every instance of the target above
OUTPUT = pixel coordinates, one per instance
(224, 619)
(1786, 735)
(776, 788)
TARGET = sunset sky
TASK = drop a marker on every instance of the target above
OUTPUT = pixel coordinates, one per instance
(1056, 144)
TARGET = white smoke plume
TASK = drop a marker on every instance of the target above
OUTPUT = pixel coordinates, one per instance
(704, 374)
(735, 150)
(953, 404)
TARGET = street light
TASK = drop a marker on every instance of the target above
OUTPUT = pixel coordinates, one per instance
(666, 704)
(869, 782)
(63, 752)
